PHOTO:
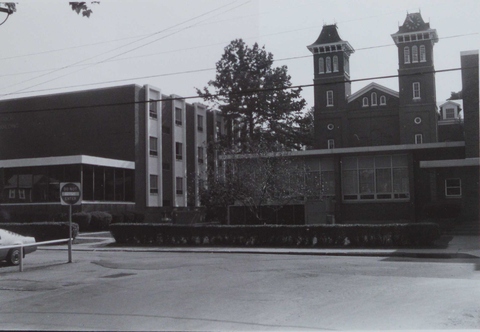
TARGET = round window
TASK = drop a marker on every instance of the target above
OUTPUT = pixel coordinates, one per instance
(418, 120)
(330, 126)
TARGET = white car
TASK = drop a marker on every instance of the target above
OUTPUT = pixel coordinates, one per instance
(12, 255)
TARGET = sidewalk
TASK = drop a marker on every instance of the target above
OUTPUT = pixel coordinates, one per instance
(449, 247)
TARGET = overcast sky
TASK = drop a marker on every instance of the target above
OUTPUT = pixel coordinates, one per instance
(47, 48)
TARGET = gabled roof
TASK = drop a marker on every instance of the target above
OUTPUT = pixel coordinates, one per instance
(369, 87)
(457, 102)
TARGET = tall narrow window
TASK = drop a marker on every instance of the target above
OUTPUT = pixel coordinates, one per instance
(179, 185)
(153, 149)
(406, 54)
(346, 65)
(418, 138)
(365, 102)
(200, 122)
(331, 144)
(330, 98)
(383, 100)
(153, 111)
(178, 116)
(321, 66)
(200, 154)
(335, 63)
(415, 53)
(153, 184)
(329, 64)
(416, 90)
(423, 56)
(374, 98)
(178, 150)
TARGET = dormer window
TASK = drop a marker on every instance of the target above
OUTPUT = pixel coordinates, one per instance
(450, 113)
(383, 100)
(406, 54)
(365, 102)
(374, 98)
(423, 56)
(335, 64)
(329, 64)
(414, 53)
(321, 67)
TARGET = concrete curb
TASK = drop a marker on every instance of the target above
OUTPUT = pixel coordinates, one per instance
(312, 252)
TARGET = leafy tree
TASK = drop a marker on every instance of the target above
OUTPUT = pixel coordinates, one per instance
(81, 7)
(255, 98)
(258, 180)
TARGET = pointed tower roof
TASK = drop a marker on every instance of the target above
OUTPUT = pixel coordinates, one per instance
(330, 41)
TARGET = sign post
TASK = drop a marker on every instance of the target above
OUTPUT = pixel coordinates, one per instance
(70, 194)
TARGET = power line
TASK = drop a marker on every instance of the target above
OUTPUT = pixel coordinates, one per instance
(151, 35)
(188, 71)
(246, 92)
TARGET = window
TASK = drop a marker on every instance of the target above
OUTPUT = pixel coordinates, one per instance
(200, 154)
(450, 113)
(346, 65)
(453, 188)
(406, 54)
(414, 53)
(178, 116)
(321, 67)
(335, 63)
(153, 111)
(329, 64)
(423, 56)
(418, 138)
(11, 193)
(383, 100)
(179, 185)
(330, 98)
(153, 184)
(365, 102)
(374, 98)
(375, 178)
(416, 90)
(21, 193)
(178, 151)
(331, 144)
(199, 122)
(153, 146)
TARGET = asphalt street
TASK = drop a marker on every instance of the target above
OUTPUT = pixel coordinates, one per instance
(221, 291)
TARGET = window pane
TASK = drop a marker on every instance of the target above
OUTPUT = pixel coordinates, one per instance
(384, 180)
(399, 160)
(109, 184)
(349, 163)
(366, 181)
(365, 162)
(99, 184)
(119, 185)
(400, 180)
(383, 161)
(87, 182)
(328, 183)
(349, 182)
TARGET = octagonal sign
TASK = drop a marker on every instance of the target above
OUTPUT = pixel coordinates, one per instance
(70, 193)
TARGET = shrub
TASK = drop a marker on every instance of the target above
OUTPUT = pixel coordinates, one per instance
(391, 235)
(43, 231)
(82, 219)
(100, 220)
(118, 218)
(442, 210)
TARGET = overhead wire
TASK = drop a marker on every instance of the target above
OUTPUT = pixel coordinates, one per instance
(245, 92)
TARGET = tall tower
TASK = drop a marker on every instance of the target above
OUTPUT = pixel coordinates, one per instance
(331, 57)
(416, 80)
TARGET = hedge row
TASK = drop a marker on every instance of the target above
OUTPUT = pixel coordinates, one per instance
(391, 235)
(100, 221)
(42, 231)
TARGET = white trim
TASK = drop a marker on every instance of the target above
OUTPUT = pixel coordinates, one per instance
(450, 163)
(381, 148)
(369, 87)
(67, 160)
(472, 52)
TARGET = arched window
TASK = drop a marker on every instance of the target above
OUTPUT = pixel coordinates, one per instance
(406, 54)
(423, 56)
(321, 67)
(329, 64)
(383, 100)
(335, 63)
(415, 53)
(374, 98)
(365, 102)
(346, 66)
